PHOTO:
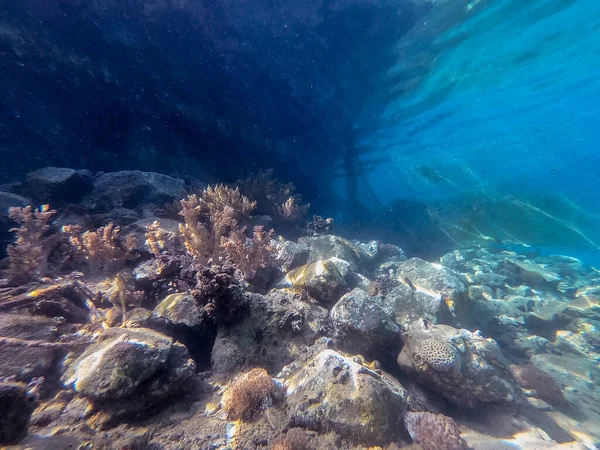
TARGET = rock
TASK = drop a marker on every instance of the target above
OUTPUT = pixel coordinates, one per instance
(410, 305)
(180, 309)
(8, 200)
(273, 333)
(291, 254)
(16, 407)
(57, 185)
(131, 189)
(121, 360)
(582, 338)
(118, 216)
(331, 392)
(174, 378)
(329, 246)
(322, 280)
(365, 325)
(462, 366)
(27, 362)
(433, 277)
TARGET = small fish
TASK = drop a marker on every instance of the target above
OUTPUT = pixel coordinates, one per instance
(410, 284)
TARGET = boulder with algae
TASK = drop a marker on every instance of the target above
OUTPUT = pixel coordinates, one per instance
(321, 279)
(332, 392)
(462, 366)
(330, 246)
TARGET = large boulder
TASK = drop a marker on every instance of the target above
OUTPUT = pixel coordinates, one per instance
(273, 333)
(29, 361)
(365, 324)
(462, 366)
(330, 246)
(57, 185)
(8, 200)
(121, 360)
(130, 189)
(321, 279)
(331, 392)
(180, 309)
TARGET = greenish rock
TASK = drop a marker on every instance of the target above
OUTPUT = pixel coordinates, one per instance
(122, 359)
(330, 246)
(321, 279)
(180, 309)
(333, 392)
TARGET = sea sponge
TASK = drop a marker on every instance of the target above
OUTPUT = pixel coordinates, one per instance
(434, 431)
(294, 439)
(246, 394)
(438, 354)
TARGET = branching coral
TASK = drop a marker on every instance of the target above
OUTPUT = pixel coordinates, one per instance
(319, 226)
(159, 240)
(209, 217)
(254, 257)
(27, 256)
(274, 198)
(246, 394)
(434, 431)
(104, 249)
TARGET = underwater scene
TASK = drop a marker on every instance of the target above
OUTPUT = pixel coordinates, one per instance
(300, 224)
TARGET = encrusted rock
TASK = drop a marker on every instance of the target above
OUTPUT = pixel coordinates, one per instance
(57, 185)
(433, 277)
(130, 189)
(275, 330)
(180, 309)
(462, 366)
(331, 392)
(16, 407)
(328, 246)
(291, 254)
(434, 431)
(118, 363)
(365, 324)
(321, 279)
(28, 361)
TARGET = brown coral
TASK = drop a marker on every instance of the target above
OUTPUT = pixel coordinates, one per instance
(434, 431)
(438, 354)
(294, 439)
(158, 240)
(274, 198)
(27, 256)
(104, 249)
(218, 293)
(254, 257)
(245, 395)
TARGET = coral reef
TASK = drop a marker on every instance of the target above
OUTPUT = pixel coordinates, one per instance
(434, 431)
(218, 293)
(247, 393)
(159, 240)
(382, 285)
(319, 226)
(104, 249)
(28, 255)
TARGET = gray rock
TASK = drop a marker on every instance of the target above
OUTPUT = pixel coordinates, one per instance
(8, 200)
(462, 366)
(409, 305)
(179, 309)
(57, 185)
(331, 392)
(291, 254)
(121, 360)
(321, 279)
(329, 246)
(272, 334)
(433, 277)
(16, 407)
(27, 362)
(131, 189)
(365, 325)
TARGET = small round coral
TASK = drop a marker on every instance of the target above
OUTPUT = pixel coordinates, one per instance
(245, 395)
(434, 431)
(438, 354)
